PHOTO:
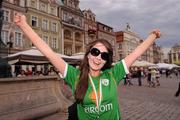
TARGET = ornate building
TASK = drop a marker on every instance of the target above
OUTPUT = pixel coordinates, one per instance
(174, 54)
(11, 35)
(90, 26)
(148, 54)
(72, 27)
(127, 42)
(42, 16)
(158, 54)
(106, 32)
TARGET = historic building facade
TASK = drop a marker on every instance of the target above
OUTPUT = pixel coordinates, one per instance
(11, 35)
(158, 55)
(127, 42)
(90, 26)
(148, 54)
(72, 27)
(106, 32)
(174, 54)
(42, 16)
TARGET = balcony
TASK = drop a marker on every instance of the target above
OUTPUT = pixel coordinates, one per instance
(91, 32)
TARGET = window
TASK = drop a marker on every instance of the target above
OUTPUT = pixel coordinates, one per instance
(120, 46)
(45, 38)
(6, 16)
(67, 34)
(174, 56)
(45, 24)
(65, 16)
(54, 27)
(18, 39)
(34, 21)
(93, 18)
(90, 17)
(4, 35)
(54, 43)
(80, 22)
(85, 15)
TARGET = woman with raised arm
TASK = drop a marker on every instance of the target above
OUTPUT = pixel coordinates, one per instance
(94, 84)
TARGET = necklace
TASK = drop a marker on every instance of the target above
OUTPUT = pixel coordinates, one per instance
(98, 99)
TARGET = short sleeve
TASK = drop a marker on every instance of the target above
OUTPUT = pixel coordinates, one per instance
(119, 70)
(71, 76)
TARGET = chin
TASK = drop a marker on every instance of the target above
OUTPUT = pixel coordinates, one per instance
(97, 68)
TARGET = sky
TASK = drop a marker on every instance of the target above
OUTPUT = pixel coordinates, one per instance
(142, 16)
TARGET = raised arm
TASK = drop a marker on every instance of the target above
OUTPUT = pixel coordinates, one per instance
(56, 60)
(129, 60)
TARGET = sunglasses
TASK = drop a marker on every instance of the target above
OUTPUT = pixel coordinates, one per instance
(96, 52)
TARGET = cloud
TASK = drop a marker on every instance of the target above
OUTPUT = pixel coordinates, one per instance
(143, 16)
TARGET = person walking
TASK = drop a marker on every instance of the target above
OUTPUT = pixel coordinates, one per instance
(140, 74)
(149, 81)
(157, 77)
(94, 84)
(178, 90)
(128, 79)
(153, 77)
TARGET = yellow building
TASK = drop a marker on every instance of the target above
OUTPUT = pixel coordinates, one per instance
(174, 54)
(42, 16)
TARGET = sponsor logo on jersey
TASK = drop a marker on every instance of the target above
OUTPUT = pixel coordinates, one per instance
(105, 82)
(102, 108)
(92, 96)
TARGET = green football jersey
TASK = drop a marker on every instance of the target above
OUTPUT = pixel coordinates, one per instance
(105, 86)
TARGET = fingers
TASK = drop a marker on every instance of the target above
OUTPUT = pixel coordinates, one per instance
(19, 19)
(156, 32)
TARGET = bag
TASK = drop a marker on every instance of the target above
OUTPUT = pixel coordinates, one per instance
(72, 111)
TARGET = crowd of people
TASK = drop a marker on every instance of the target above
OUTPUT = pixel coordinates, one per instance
(151, 75)
(29, 72)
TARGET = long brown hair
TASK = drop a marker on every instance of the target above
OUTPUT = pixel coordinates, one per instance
(82, 85)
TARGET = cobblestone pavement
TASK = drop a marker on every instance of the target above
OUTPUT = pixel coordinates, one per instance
(145, 103)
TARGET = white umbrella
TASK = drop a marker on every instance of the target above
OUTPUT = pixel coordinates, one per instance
(31, 56)
(138, 63)
(165, 66)
(79, 55)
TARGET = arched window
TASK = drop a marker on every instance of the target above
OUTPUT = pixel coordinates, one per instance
(77, 36)
(67, 34)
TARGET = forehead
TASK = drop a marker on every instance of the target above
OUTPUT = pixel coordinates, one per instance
(101, 47)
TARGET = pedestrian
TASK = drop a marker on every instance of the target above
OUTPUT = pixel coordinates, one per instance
(140, 74)
(153, 77)
(149, 78)
(178, 91)
(94, 84)
(167, 73)
(22, 73)
(128, 79)
(157, 77)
